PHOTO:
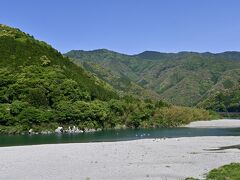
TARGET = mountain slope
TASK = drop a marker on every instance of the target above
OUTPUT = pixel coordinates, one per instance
(184, 78)
(19, 50)
(121, 83)
(224, 101)
(41, 90)
(113, 68)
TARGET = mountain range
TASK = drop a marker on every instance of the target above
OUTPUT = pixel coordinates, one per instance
(184, 78)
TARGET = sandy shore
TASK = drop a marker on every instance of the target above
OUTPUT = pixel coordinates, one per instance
(222, 123)
(140, 159)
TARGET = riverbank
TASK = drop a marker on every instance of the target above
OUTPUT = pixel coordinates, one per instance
(221, 123)
(175, 158)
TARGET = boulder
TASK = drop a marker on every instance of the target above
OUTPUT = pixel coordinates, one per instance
(30, 131)
(74, 130)
(59, 130)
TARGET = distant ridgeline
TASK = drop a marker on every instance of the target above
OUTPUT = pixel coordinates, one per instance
(185, 78)
(40, 89)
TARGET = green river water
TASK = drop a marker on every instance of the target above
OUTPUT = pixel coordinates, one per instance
(115, 135)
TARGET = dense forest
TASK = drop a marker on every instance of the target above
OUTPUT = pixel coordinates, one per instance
(224, 101)
(185, 78)
(40, 89)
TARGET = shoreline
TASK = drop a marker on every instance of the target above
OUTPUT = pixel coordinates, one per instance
(173, 158)
(220, 123)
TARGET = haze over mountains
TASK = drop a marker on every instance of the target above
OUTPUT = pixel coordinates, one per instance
(184, 78)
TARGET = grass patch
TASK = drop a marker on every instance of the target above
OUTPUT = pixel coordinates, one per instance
(226, 172)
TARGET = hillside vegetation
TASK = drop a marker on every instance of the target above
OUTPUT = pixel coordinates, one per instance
(184, 78)
(223, 101)
(121, 82)
(41, 90)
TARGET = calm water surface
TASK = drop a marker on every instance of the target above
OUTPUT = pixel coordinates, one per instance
(115, 135)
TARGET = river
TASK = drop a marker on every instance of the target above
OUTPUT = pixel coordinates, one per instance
(115, 135)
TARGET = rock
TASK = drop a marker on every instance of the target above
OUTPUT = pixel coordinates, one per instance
(69, 130)
(74, 130)
(59, 130)
(45, 132)
(30, 131)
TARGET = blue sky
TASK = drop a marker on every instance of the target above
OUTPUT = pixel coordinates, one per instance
(129, 26)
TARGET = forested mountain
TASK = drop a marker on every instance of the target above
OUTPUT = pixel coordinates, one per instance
(113, 68)
(40, 89)
(185, 78)
(223, 101)
(20, 51)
